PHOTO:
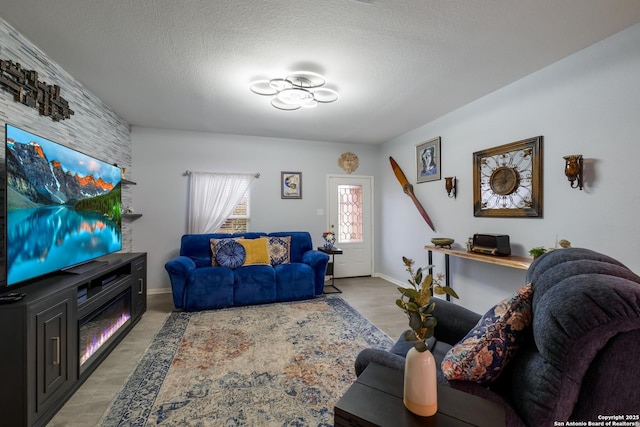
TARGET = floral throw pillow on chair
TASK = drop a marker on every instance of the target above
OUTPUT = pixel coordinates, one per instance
(487, 349)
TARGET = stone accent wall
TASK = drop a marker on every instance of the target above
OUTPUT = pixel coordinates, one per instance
(94, 129)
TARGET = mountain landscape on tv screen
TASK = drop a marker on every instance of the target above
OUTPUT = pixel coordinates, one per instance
(41, 181)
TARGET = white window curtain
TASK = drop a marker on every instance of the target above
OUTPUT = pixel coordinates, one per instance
(212, 197)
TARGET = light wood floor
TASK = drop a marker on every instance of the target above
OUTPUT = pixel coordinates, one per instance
(374, 298)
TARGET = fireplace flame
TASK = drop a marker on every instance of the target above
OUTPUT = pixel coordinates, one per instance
(100, 338)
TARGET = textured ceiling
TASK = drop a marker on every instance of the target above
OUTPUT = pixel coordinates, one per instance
(397, 64)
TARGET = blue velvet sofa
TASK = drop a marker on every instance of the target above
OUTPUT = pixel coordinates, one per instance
(580, 357)
(198, 285)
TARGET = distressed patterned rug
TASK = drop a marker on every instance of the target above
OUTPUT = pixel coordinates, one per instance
(283, 364)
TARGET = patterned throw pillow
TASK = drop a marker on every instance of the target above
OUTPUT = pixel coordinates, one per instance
(279, 250)
(256, 249)
(212, 246)
(487, 349)
(230, 254)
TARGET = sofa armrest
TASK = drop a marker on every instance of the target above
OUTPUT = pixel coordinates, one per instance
(381, 357)
(454, 321)
(179, 269)
(318, 261)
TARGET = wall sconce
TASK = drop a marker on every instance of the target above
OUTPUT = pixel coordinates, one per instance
(573, 169)
(450, 186)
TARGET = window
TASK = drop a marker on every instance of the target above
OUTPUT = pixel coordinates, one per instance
(238, 221)
(350, 217)
(213, 198)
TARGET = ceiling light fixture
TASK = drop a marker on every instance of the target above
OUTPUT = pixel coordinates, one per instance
(300, 89)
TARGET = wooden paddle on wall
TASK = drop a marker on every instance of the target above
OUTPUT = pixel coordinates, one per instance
(408, 190)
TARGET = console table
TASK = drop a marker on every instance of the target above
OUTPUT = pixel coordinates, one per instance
(505, 261)
(375, 399)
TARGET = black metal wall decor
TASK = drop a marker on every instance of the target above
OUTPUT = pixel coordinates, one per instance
(28, 90)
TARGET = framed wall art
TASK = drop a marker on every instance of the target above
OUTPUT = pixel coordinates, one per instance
(507, 180)
(428, 161)
(291, 185)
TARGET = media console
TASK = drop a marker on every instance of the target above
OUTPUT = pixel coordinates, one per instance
(65, 326)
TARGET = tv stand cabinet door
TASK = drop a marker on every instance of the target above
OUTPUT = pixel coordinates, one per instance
(52, 352)
(139, 286)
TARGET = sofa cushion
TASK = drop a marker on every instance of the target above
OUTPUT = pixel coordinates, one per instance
(198, 247)
(487, 349)
(294, 281)
(230, 253)
(207, 288)
(279, 249)
(254, 284)
(256, 251)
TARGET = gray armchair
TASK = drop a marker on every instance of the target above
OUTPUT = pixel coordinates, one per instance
(581, 356)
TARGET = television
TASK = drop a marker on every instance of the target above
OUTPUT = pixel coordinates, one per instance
(63, 207)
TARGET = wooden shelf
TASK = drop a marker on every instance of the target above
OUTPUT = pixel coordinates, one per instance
(129, 216)
(506, 261)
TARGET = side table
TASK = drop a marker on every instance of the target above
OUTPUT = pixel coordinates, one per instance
(375, 399)
(330, 267)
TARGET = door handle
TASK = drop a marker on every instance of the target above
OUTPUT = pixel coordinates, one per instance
(56, 344)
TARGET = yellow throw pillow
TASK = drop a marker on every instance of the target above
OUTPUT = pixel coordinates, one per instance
(257, 252)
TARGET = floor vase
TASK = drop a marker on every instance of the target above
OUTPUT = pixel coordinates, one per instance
(420, 383)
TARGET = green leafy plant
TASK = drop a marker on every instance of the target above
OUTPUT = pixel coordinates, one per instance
(417, 303)
(537, 251)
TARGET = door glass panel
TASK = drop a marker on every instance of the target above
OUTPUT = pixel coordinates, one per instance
(349, 213)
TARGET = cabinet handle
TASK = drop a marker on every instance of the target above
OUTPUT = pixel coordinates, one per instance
(56, 361)
(141, 287)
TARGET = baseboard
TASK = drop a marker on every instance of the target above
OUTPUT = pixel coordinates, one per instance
(391, 280)
(156, 291)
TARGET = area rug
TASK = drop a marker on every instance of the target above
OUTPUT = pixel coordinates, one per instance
(283, 364)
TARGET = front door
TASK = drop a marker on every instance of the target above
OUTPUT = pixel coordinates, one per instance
(351, 219)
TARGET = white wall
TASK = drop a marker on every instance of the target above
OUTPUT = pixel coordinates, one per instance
(160, 158)
(588, 103)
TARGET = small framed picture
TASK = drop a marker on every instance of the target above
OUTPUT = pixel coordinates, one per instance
(291, 185)
(428, 160)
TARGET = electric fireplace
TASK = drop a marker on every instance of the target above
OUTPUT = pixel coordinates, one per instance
(100, 327)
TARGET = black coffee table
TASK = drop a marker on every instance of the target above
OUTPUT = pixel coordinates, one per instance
(375, 399)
